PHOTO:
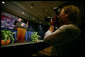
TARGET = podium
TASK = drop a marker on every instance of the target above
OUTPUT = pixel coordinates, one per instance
(21, 34)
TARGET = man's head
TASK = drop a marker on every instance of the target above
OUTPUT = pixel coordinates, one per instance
(68, 14)
(19, 20)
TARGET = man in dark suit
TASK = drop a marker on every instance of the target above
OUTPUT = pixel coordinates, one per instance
(20, 23)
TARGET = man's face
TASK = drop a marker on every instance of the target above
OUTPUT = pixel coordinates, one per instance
(19, 19)
(62, 16)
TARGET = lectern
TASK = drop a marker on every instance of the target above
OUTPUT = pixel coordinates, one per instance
(21, 34)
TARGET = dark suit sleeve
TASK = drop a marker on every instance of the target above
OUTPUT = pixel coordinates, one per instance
(18, 24)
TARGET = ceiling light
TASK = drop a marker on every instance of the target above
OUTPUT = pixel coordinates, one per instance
(3, 2)
(22, 12)
(32, 5)
(33, 18)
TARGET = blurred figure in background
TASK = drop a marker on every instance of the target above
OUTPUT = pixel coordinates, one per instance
(20, 23)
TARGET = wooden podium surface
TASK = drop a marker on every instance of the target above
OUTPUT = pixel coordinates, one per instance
(21, 34)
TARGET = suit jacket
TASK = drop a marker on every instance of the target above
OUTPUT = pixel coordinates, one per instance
(18, 24)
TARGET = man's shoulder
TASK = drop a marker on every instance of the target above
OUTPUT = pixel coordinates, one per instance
(70, 27)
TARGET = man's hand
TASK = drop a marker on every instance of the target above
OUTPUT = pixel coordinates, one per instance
(51, 28)
(51, 21)
(22, 24)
